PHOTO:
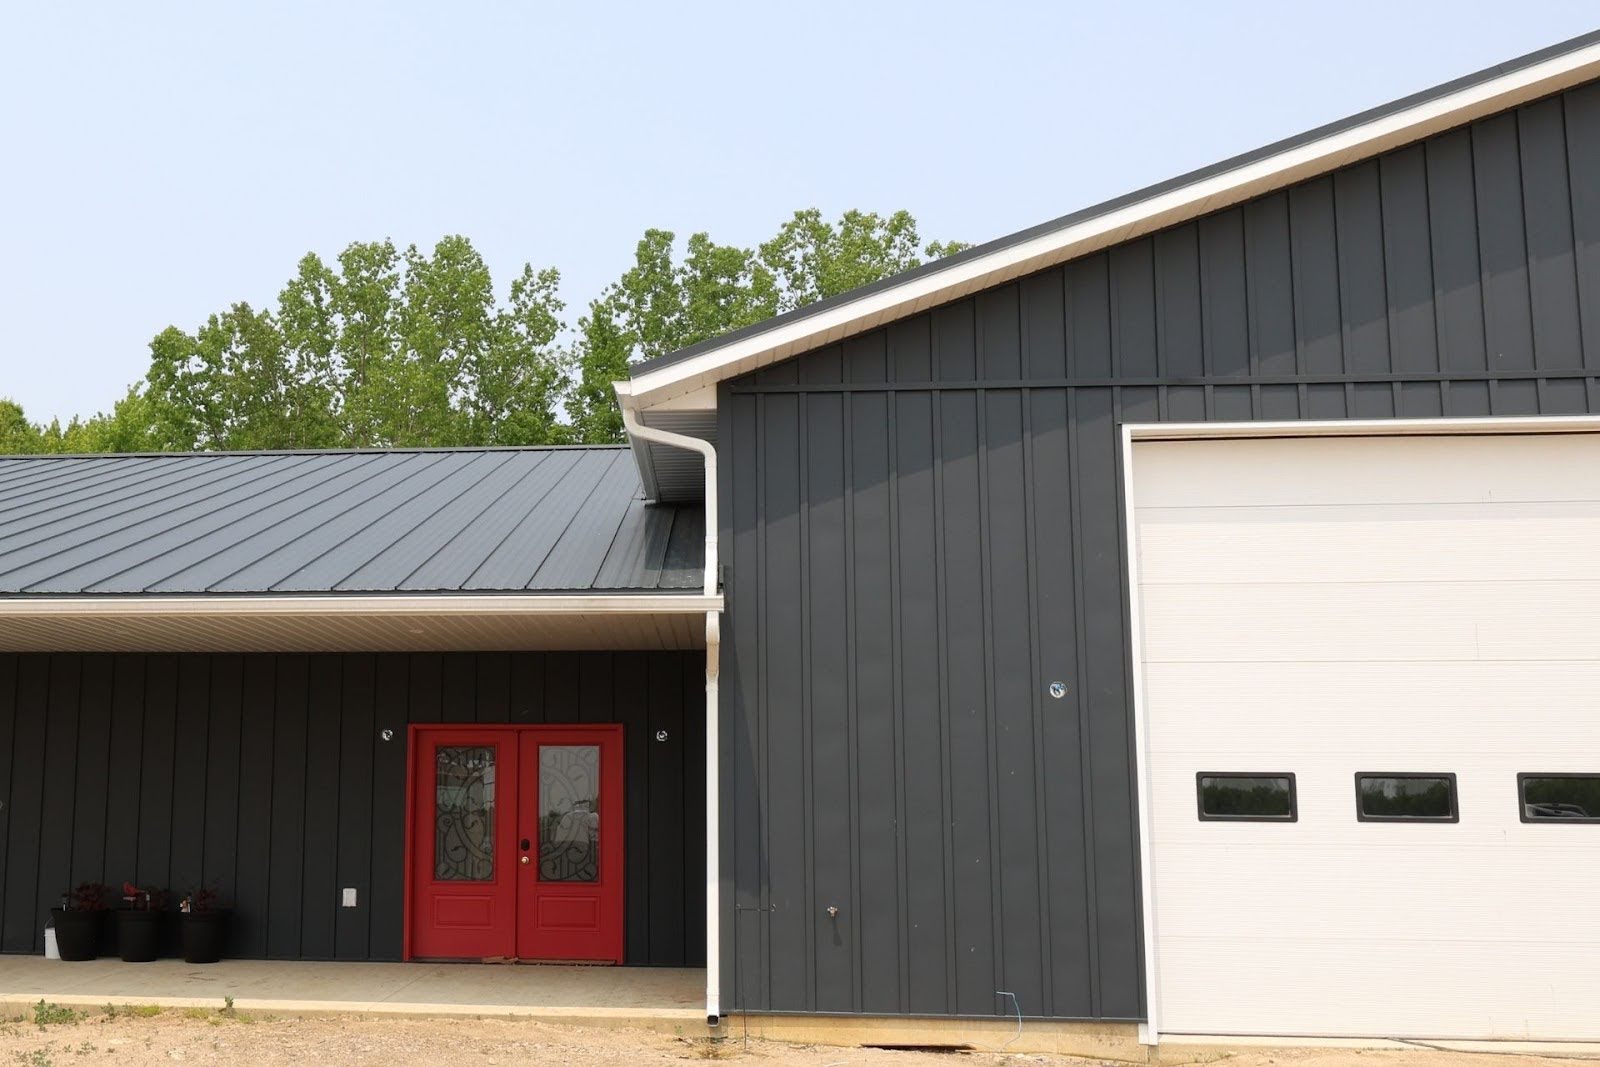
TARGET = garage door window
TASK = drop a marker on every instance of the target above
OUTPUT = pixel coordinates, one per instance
(1567, 798)
(1245, 797)
(1406, 798)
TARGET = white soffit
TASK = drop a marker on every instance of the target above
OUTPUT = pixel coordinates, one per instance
(348, 624)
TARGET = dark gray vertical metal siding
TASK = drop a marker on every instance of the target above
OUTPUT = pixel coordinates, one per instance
(923, 528)
(263, 777)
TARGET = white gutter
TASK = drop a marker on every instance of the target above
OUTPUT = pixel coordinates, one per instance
(268, 605)
(639, 431)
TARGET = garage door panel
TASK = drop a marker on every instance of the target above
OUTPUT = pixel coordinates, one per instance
(1358, 630)
(1330, 471)
(1371, 621)
(1399, 989)
(1459, 705)
(1370, 543)
(1348, 887)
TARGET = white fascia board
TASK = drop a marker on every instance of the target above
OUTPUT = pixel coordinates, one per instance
(1089, 235)
(489, 604)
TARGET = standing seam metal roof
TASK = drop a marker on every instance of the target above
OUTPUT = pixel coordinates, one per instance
(412, 521)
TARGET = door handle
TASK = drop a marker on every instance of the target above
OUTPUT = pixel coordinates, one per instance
(526, 861)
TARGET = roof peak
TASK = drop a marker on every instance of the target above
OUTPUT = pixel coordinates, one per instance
(1174, 201)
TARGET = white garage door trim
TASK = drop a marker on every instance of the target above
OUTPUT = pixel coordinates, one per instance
(1150, 1030)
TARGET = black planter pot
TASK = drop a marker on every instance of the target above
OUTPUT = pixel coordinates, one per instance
(77, 933)
(138, 935)
(204, 934)
(108, 932)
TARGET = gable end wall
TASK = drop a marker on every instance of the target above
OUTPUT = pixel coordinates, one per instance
(922, 529)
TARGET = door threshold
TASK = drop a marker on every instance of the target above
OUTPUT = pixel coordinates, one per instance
(549, 963)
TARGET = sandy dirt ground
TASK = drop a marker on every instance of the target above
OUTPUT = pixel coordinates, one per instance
(212, 1037)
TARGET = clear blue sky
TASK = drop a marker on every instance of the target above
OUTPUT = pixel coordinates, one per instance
(159, 161)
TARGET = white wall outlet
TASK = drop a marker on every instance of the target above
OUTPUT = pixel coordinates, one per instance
(349, 897)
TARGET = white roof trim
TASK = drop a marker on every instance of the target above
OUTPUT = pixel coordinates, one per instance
(1078, 238)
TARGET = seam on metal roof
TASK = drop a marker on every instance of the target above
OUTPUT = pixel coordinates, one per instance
(594, 486)
(416, 500)
(135, 524)
(134, 502)
(464, 522)
(368, 471)
(468, 525)
(88, 480)
(263, 502)
(431, 467)
(165, 477)
(592, 517)
(514, 527)
(30, 482)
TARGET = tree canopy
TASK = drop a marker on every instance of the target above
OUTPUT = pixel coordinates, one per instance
(391, 348)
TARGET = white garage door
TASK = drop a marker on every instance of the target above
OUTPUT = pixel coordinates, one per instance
(1324, 607)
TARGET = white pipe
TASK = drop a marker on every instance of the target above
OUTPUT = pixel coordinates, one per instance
(639, 430)
(713, 835)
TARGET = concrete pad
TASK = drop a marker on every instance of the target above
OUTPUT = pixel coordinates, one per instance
(1226, 1041)
(662, 999)
(1578, 1050)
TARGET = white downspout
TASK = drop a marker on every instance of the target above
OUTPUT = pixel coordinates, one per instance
(639, 430)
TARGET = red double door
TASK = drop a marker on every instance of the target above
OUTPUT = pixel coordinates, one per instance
(515, 843)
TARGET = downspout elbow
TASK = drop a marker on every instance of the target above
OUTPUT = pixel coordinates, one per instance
(637, 429)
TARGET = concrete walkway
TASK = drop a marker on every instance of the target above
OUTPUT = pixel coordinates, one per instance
(653, 998)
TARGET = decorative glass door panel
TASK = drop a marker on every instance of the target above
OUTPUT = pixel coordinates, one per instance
(569, 813)
(463, 848)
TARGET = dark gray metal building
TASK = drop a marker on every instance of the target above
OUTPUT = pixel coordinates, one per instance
(953, 545)
(924, 530)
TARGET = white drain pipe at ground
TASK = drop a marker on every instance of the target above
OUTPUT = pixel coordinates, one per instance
(640, 431)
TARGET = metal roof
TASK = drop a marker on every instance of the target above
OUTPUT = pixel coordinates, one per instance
(395, 521)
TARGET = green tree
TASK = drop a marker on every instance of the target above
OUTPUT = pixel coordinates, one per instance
(126, 429)
(384, 348)
(389, 348)
(600, 357)
(660, 305)
(813, 259)
(18, 436)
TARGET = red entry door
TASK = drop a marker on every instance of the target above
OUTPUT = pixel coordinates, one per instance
(569, 899)
(515, 843)
(462, 899)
